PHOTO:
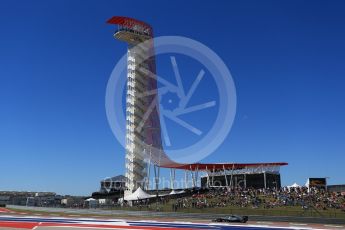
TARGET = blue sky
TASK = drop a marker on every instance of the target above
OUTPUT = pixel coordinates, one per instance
(286, 58)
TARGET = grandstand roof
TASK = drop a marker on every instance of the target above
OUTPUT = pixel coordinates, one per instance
(220, 166)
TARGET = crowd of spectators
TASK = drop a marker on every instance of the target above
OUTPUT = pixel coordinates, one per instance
(263, 198)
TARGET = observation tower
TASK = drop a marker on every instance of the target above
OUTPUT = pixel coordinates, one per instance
(142, 118)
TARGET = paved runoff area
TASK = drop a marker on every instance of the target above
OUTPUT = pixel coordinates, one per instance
(11, 220)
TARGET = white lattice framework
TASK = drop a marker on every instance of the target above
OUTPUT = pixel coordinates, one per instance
(142, 119)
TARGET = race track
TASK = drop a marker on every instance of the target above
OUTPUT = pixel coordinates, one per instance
(11, 220)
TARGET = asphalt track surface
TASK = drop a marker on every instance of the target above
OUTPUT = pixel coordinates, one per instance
(179, 215)
(10, 220)
(59, 223)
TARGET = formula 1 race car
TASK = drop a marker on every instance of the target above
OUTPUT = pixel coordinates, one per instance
(232, 219)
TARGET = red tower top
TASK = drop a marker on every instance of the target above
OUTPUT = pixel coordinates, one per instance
(131, 23)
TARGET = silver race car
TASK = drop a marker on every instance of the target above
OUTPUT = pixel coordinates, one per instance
(232, 219)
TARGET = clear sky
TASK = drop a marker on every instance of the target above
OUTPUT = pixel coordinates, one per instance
(286, 58)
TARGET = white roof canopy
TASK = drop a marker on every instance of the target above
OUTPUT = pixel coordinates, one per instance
(294, 185)
(139, 194)
(173, 192)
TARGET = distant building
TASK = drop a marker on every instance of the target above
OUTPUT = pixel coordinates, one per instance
(30, 201)
(111, 188)
(31, 198)
(66, 202)
(72, 201)
(4, 200)
(113, 184)
(91, 203)
(39, 199)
